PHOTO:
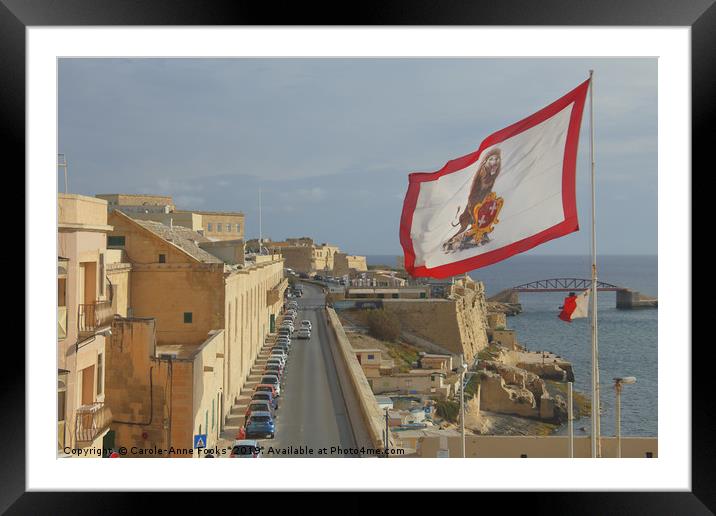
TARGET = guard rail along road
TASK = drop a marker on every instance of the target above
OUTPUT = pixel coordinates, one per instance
(370, 412)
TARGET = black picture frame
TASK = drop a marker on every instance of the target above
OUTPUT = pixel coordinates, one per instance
(700, 15)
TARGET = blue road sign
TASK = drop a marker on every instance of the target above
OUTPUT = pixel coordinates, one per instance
(200, 441)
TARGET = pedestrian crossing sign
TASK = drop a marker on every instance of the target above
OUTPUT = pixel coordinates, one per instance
(200, 441)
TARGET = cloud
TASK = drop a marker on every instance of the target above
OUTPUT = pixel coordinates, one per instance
(332, 141)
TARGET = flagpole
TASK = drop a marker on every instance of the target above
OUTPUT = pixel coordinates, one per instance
(596, 430)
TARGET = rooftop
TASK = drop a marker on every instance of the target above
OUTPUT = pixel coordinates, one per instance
(207, 212)
(182, 237)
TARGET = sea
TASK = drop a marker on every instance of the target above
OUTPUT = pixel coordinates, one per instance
(627, 338)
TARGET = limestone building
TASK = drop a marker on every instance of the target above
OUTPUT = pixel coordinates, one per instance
(92, 286)
(215, 225)
(210, 320)
(344, 264)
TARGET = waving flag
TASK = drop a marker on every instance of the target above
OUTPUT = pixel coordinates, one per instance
(515, 192)
(575, 306)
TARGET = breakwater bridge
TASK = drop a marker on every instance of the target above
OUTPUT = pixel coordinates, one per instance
(626, 298)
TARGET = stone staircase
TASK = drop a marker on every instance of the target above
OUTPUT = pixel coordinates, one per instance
(235, 419)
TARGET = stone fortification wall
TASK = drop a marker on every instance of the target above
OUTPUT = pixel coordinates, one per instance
(457, 324)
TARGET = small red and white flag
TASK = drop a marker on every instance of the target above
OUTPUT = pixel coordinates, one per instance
(575, 306)
(515, 192)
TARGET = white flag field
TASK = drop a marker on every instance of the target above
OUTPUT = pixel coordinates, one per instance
(515, 192)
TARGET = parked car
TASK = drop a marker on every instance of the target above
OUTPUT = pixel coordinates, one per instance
(283, 346)
(258, 406)
(246, 449)
(279, 355)
(274, 368)
(266, 387)
(305, 324)
(280, 362)
(260, 424)
(304, 333)
(274, 380)
(265, 396)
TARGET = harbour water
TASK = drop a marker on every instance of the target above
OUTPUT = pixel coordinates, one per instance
(627, 338)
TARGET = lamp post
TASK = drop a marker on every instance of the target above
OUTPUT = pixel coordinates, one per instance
(463, 371)
(618, 383)
(387, 433)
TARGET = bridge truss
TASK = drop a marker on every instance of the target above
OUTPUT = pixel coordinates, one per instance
(564, 285)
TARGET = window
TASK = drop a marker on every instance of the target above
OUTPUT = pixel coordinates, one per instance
(188, 317)
(100, 373)
(209, 227)
(371, 357)
(218, 227)
(238, 228)
(115, 241)
(162, 258)
(228, 228)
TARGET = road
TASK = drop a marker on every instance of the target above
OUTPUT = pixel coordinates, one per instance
(312, 411)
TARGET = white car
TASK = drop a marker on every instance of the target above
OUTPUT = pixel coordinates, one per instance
(246, 449)
(276, 360)
(305, 324)
(272, 379)
(304, 333)
(279, 354)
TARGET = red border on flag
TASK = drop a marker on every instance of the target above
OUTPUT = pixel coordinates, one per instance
(569, 202)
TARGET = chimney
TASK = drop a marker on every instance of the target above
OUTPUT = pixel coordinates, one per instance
(171, 222)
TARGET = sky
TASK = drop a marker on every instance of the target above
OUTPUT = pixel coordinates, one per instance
(330, 142)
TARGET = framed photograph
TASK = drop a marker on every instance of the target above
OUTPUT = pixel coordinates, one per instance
(438, 232)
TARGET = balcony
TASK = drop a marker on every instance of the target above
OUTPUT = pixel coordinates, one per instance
(61, 322)
(90, 421)
(275, 294)
(60, 435)
(91, 318)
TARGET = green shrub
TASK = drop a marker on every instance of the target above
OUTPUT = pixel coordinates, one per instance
(447, 409)
(471, 387)
(383, 325)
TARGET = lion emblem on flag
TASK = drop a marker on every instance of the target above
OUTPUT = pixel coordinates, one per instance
(480, 216)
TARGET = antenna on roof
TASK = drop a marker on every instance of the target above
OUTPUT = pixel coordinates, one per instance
(260, 233)
(62, 163)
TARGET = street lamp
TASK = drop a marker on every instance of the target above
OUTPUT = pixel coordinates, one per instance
(618, 382)
(463, 371)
